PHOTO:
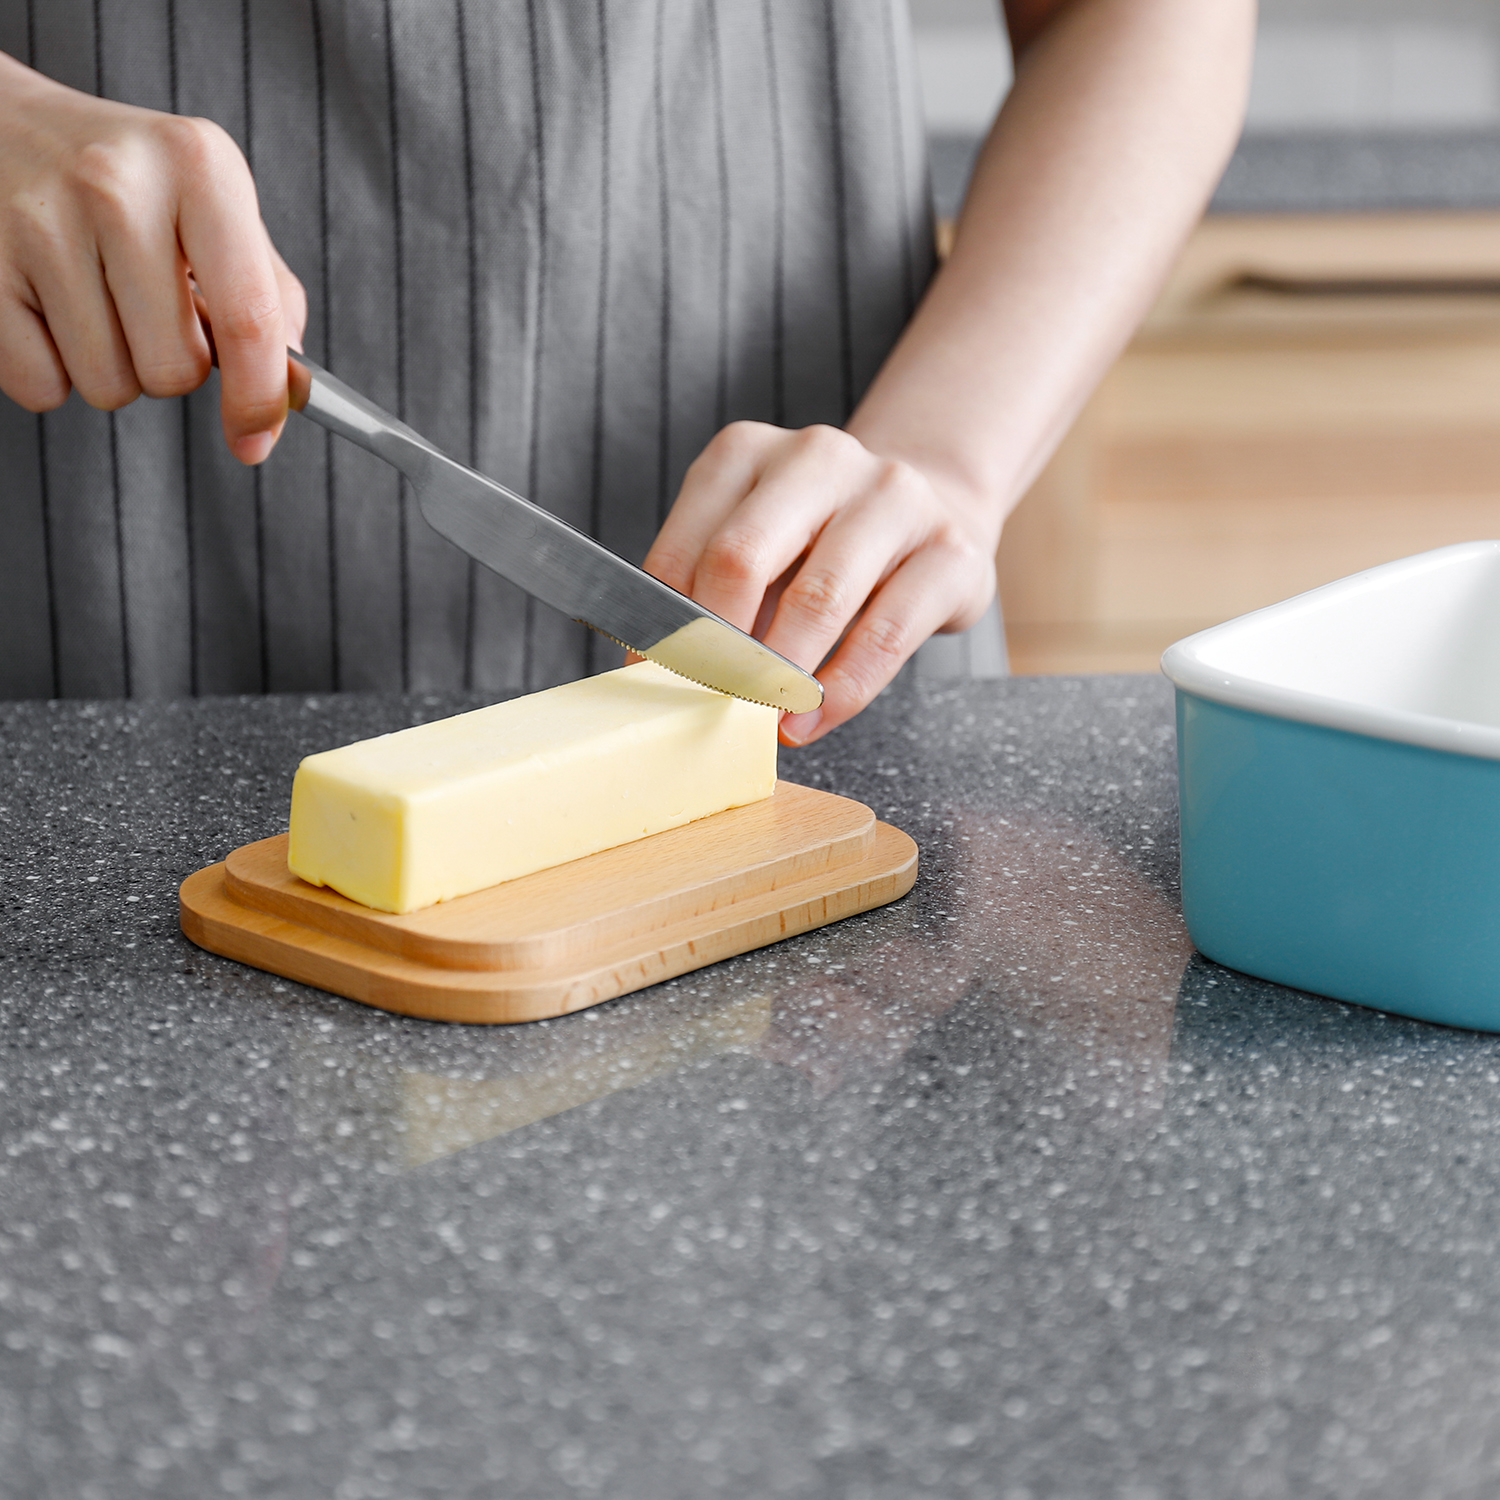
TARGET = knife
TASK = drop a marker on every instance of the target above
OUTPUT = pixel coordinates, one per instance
(553, 561)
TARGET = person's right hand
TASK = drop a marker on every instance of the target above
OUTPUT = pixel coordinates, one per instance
(108, 216)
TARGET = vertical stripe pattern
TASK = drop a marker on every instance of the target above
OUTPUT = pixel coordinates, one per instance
(566, 239)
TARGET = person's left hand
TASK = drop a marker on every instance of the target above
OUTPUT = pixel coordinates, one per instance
(812, 542)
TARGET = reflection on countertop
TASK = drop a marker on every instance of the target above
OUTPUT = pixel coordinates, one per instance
(996, 1187)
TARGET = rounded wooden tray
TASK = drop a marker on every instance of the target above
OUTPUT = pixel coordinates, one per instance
(572, 936)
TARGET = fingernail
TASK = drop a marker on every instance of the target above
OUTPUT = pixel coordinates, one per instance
(254, 447)
(798, 729)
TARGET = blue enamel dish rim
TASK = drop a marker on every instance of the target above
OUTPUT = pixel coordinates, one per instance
(1184, 663)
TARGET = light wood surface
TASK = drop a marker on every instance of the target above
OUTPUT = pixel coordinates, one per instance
(1253, 443)
(567, 938)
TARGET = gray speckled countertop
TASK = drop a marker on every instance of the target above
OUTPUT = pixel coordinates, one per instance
(1333, 171)
(996, 1193)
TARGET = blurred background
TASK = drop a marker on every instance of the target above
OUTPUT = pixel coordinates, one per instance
(1318, 389)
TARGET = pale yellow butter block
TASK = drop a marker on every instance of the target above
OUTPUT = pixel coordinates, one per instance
(430, 813)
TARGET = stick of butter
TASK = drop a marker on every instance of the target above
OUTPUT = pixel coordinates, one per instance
(433, 812)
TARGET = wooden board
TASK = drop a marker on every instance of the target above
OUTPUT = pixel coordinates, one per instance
(571, 936)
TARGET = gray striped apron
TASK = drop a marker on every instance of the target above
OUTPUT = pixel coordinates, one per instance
(565, 239)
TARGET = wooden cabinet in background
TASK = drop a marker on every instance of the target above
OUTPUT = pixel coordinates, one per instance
(1311, 396)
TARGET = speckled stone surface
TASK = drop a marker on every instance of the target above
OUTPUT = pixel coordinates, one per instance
(1362, 171)
(996, 1193)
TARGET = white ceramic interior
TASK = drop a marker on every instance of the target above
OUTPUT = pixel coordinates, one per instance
(1407, 651)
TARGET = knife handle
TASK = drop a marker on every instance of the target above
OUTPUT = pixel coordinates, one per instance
(325, 398)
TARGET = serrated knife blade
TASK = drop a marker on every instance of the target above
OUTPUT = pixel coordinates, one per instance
(553, 561)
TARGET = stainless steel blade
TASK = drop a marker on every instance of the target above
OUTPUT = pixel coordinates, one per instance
(554, 562)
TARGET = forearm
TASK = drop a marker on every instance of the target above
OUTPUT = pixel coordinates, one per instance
(1121, 118)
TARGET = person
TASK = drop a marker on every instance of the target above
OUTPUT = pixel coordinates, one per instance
(665, 266)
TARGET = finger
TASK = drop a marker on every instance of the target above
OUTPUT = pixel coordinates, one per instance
(74, 301)
(219, 224)
(131, 233)
(717, 481)
(856, 551)
(811, 476)
(916, 600)
(32, 373)
(293, 297)
(147, 278)
(767, 611)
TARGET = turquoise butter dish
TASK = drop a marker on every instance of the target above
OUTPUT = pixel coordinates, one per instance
(1339, 767)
